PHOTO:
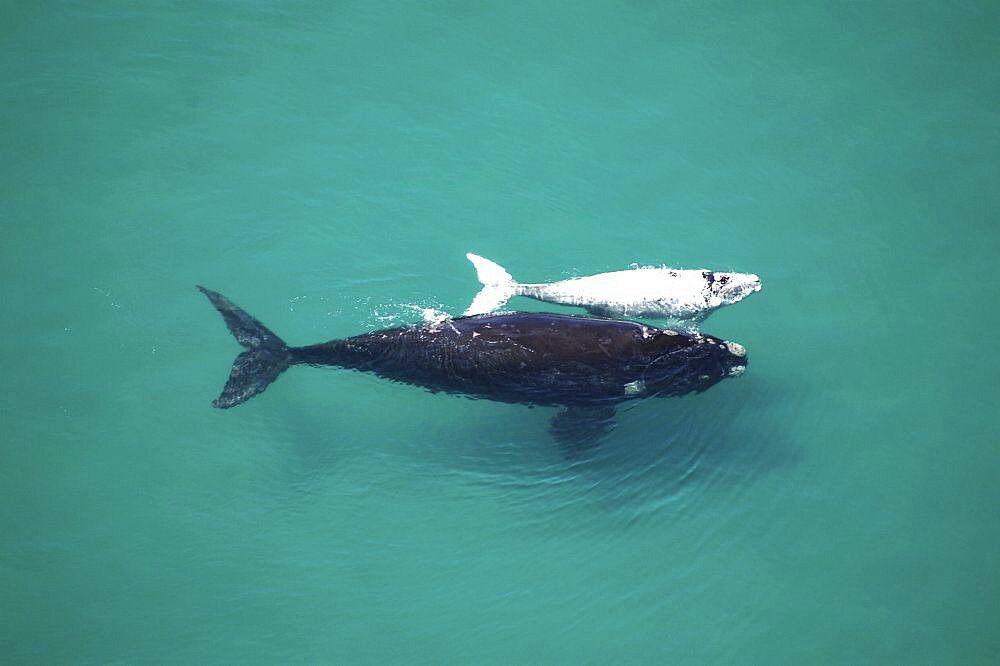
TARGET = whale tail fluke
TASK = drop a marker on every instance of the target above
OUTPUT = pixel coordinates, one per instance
(266, 355)
(498, 286)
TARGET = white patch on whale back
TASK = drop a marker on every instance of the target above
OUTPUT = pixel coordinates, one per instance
(737, 370)
(635, 388)
(435, 319)
(432, 316)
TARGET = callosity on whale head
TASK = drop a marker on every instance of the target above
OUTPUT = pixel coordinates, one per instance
(728, 288)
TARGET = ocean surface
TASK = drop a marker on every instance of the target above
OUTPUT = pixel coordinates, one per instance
(328, 165)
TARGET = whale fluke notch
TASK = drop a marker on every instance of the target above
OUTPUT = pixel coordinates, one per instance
(267, 355)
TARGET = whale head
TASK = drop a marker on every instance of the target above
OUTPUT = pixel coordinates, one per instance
(728, 288)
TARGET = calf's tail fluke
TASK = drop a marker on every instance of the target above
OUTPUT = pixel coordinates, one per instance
(498, 286)
(266, 355)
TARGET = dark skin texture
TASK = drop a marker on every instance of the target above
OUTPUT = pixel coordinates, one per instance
(535, 358)
(520, 357)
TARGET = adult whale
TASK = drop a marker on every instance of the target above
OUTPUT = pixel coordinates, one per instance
(584, 364)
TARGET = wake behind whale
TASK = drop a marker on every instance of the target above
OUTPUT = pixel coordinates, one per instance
(585, 364)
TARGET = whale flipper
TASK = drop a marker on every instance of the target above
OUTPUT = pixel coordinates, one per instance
(498, 286)
(578, 430)
(267, 355)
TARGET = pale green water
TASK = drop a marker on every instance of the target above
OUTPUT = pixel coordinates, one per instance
(328, 165)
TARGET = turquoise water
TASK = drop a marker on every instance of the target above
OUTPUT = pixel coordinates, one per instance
(327, 166)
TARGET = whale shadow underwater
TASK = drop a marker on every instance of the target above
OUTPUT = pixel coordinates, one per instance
(586, 365)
